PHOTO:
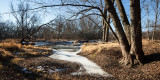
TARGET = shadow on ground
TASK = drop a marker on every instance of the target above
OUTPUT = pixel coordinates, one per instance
(152, 57)
(11, 71)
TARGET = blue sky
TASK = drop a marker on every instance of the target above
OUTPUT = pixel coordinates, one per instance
(5, 8)
(6, 15)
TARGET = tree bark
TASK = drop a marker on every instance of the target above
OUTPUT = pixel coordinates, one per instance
(147, 22)
(124, 19)
(107, 28)
(155, 23)
(104, 31)
(136, 33)
(120, 32)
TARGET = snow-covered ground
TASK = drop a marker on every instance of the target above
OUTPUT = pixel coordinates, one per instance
(88, 66)
(41, 43)
(66, 51)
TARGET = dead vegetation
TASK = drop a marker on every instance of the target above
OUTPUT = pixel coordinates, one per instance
(15, 57)
(107, 56)
(25, 63)
(26, 51)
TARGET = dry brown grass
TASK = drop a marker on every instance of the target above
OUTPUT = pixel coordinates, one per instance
(97, 47)
(151, 46)
(110, 53)
(33, 51)
(148, 46)
(1, 66)
(4, 53)
(12, 53)
(16, 60)
(10, 46)
(56, 76)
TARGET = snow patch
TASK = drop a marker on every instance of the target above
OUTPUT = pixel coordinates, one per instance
(41, 43)
(17, 53)
(48, 69)
(89, 66)
(40, 68)
(25, 70)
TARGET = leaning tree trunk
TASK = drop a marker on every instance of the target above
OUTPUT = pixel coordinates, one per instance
(120, 32)
(136, 33)
(124, 19)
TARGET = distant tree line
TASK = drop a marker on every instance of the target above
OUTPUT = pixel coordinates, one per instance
(83, 29)
(26, 22)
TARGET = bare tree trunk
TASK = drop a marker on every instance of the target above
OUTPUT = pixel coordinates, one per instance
(107, 26)
(147, 22)
(156, 17)
(136, 33)
(104, 31)
(22, 26)
(107, 34)
(104, 25)
(107, 29)
(124, 19)
(120, 32)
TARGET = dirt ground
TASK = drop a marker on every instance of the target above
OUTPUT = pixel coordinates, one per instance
(107, 56)
(33, 63)
(19, 62)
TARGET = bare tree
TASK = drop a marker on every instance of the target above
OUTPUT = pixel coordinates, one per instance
(156, 9)
(136, 36)
(129, 52)
(24, 19)
(147, 9)
(20, 16)
(88, 7)
(7, 30)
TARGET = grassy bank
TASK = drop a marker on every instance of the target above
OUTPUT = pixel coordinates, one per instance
(29, 62)
(108, 54)
(21, 62)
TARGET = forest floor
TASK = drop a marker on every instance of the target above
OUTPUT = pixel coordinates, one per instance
(32, 62)
(29, 62)
(107, 55)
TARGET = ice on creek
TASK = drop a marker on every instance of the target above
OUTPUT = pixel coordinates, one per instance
(40, 68)
(48, 69)
(66, 48)
(17, 53)
(64, 51)
(89, 66)
(41, 43)
(25, 70)
(43, 69)
(56, 70)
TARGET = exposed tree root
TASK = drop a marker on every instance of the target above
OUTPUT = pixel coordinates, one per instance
(130, 60)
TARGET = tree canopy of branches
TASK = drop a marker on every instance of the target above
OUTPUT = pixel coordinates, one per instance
(129, 38)
(25, 20)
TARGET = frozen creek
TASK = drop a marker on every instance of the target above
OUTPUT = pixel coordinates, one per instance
(69, 53)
